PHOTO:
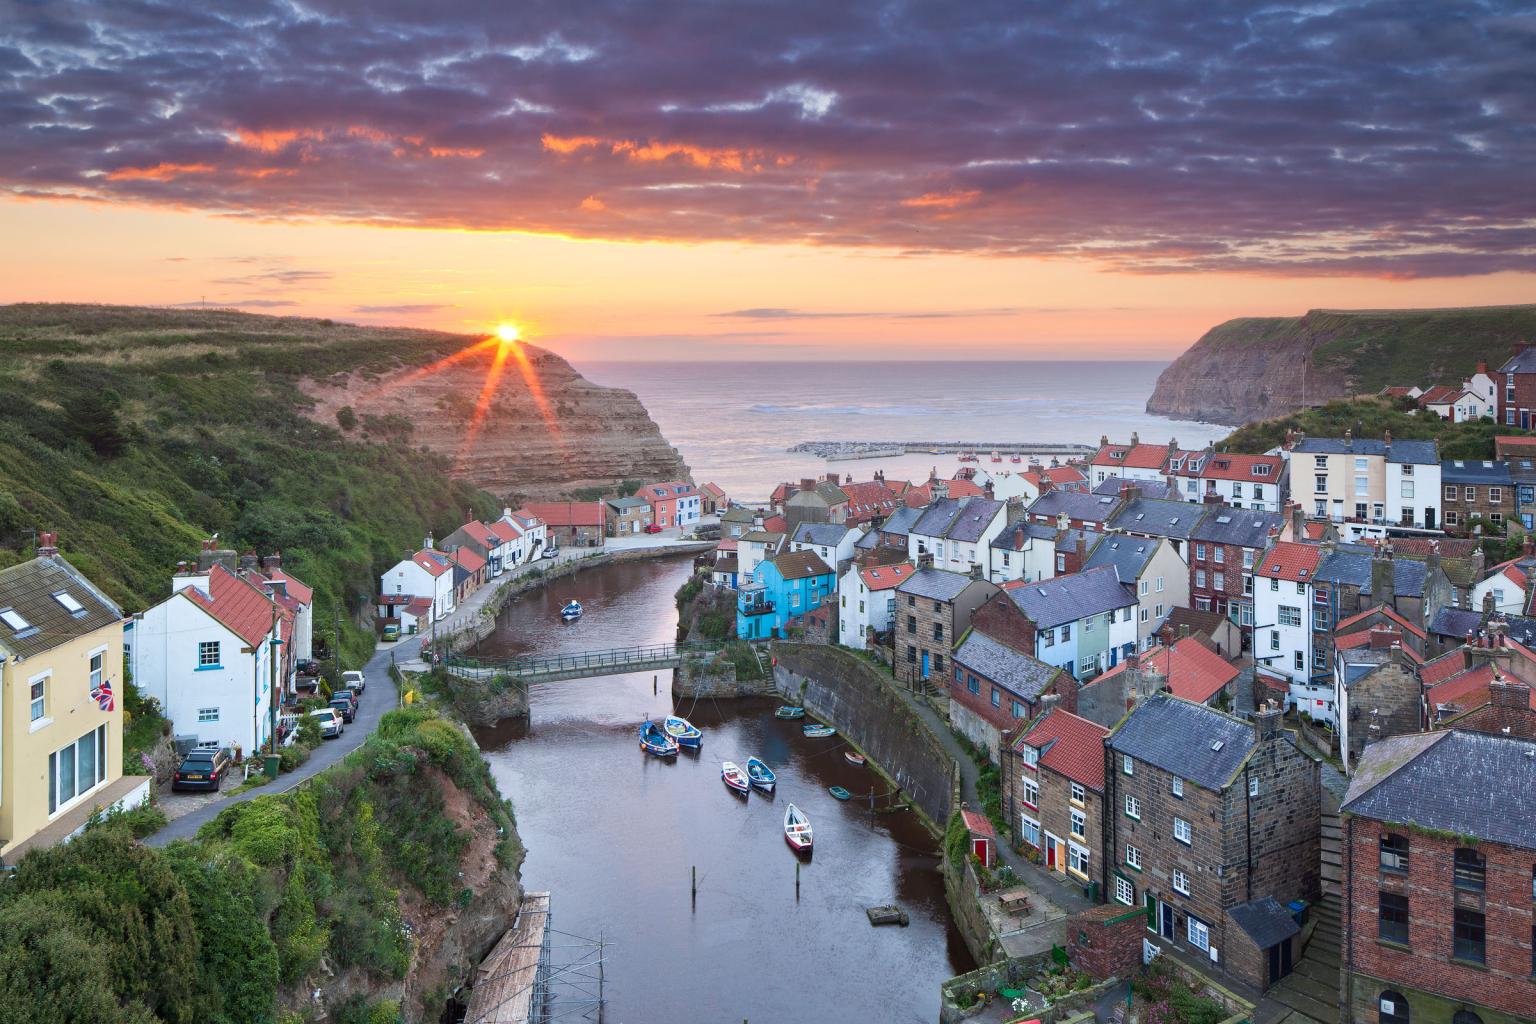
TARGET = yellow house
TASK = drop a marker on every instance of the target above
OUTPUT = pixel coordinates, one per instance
(61, 704)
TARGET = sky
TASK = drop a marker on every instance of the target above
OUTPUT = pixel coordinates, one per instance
(782, 180)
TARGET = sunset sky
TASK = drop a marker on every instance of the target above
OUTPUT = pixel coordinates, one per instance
(759, 181)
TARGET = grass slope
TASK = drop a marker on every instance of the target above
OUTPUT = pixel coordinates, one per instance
(135, 433)
(1372, 417)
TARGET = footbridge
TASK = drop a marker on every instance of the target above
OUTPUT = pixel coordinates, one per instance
(579, 665)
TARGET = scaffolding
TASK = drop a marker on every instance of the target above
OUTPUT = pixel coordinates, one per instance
(537, 975)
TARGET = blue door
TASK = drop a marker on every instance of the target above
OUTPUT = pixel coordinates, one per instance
(925, 664)
(1114, 656)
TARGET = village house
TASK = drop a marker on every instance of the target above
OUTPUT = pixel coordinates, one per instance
(1084, 623)
(469, 573)
(1074, 509)
(933, 607)
(897, 528)
(477, 537)
(1517, 396)
(1036, 480)
(995, 689)
(1460, 559)
(1053, 782)
(1438, 884)
(753, 548)
(872, 501)
(1157, 517)
(675, 504)
(1376, 686)
(425, 574)
(783, 587)
(866, 602)
(572, 524)
(1163, 490)
(1510, 711)
(1213, 826)
(737, 520)
(1452, 402)
(1508, 586)
(1223, 635)
(833, 543)
(816, 501)
(955, 534)
(1461, 685)
(1365, 483)
(1154, 569)
(1134, 461)
(1022, 551)
(61, 711)
(1485, 389)
(626, 516)
(1353, 578)
(934, 488)
(712, 500)
(1256, 482)
(1474, 491)
(1283, 607)
(1223, 548)
(1189, 668)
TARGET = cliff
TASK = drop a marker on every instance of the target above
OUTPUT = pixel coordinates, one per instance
(1256, 368)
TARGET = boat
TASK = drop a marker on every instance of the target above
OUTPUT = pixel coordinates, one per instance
(797, 829)
(839, 792)
(789, 711)
(853, 759)
(760, 775)
(685, 732)
(571, 612)
(1016, 458)
(654, 741)
(735, 778)
(815, 730)
(888, 914)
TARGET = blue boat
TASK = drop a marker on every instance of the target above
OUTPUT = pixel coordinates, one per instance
(654, 741)
(839, 792)
(817, 730)
(685, 732)
(760, 774)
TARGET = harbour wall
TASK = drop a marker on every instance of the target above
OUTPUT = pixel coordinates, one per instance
(844, 690)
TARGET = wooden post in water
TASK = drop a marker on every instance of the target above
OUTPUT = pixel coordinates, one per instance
(871, 806)
(654, 690)
(797, 880)
(693, 884)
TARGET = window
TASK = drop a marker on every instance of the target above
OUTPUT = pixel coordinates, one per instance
(1146, 614)
(1066, 633)
(1029, 831)
(1300, 662)
(1199, 577)
(1465, 1017)
(1125, 614)
(1320, 618)
(1393, 918)
(938, 631)
(1049, 638)
(1077, 859)
(1320, 461)
(1199, 933)
(938, 663)
(1031, 756)
(1471, 873)
(1496, 517)
(997, 697)
(911, 623)
(1393, 1008)
(1178, 787)
(1127, 766)
(39, 696)
(1237, 490)
(1160, 584)
(1362, 485)
(1290, 615)
(1203, 604)
(1182, 832)
(1394, 854)
(1019, 710)
(1132, 807)
(1247, 558)
(1321, 485)
(1146, 587)
(1274, 583)
(1133, 857)
(1029, 792)
(911, 655)
(1218, 554)
(208, 654)
(1125, 890)
(1469, 493)
(1407, 488)
(1157, 610)
(1200, 552)
(1253, 787)
(972, 683)
(1079, 824)
(1470, 940)
(1180, 882)
(1451, 517)
(1219, 581)
(77, 769)
(1274, 639)
(1078, 793)
(1061, 563)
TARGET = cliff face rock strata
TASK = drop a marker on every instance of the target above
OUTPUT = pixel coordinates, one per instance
(1257, 368)
(543, 429)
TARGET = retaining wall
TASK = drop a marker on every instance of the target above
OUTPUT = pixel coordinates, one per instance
(713, 676)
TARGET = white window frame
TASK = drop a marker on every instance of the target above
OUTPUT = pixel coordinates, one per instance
(38, 704)
(1031, 792)
(1198, 933)
(1132, 807)
(1183, 832)
(1178, 787)
(1127, 765)
(1125, 890)
(1133, 857)
(1078, 859)
(1078, 793)
(206, 716)
(1180, 882)
(1079, 825)
(1253, 785)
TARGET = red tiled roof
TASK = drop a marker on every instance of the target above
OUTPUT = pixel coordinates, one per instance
(1074, 746)
(1449, 547)
(666, 490)
(776, 524)
(1314, 531)
(567, 513)
(727, 544)
(1443, 667)
(393, 599)
(1194, 671)
(1390, 613)
(1440, 394)
(299, 591)
(435, 562)
(1514, 441)
(1511, 571)
(505, 531)
(1353, 640)
(236, 604)
(870, 494)
(481, 534)
(1288, 560)
(783, 492)
(1242, 467)
(884, 577)
(713, 490)
(419, 606)
(1395, 392)
(1062, 476)
(922, 494)
(978, 824)
(1142, 456)
(1469, 688)
(467, 558)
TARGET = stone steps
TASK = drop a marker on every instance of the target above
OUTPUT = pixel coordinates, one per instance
(1307, 997)
(1318, 971)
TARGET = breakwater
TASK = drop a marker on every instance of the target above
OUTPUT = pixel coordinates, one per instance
(834, 451)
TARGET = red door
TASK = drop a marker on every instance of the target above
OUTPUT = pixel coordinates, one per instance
(980, 847)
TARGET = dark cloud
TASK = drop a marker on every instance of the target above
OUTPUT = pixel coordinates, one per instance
(1366, 138)
(273, 278)
(780, 313)
(409, 307)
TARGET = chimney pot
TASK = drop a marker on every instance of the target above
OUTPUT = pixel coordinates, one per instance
(47, 544)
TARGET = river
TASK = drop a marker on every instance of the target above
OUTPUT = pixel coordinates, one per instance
(613, 834)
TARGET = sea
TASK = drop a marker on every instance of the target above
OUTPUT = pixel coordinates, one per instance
(734, 421)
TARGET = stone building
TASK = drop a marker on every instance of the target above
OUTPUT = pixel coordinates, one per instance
(933, 608)
(1213, 825)
(1476, 490)
(1376, 690)
(627, 516)
(1438, 881)
(995, 689)
(1054, 791)
(1510, 711)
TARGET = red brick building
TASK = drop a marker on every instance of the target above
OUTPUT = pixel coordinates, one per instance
(1223, 548)
(1517, 389)
(1439, 883)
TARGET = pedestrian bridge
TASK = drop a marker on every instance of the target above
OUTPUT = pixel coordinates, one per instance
(579, 665)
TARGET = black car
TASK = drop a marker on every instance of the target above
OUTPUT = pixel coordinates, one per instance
(204, 768)
(345, 708)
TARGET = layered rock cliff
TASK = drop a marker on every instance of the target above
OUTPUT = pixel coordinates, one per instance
(1256, 368)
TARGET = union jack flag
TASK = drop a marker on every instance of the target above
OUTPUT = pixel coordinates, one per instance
(101, 693)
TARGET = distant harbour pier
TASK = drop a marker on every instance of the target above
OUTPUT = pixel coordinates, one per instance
(838, 451)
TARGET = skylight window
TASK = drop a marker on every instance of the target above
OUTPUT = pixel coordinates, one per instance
(12, 618)
(69, 603)
(1218, 744)
(1223, 519)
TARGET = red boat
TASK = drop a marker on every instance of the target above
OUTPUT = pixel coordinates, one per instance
(735, 778)
(797, 830)
(852, 758)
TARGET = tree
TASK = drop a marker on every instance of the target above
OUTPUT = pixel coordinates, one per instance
(346, 418)
(95, 418)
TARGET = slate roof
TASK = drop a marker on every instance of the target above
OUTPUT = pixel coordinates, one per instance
(1417, 453)
(975, 517)
(1456, 622)
(28, 588)
(1069, 745)
(1264, 921)
(1021, 674)
(799, 565)
(1090, 508)
(1223, 524)
(823, 534)
(1178, 736)
(631, 503)
(900, 522)
(1159, 518)
(938, 517)
(1472, 471)
(1148, 488)
(1405, 778)
(1353, 569)
(1050, 603)
(1129, 555)
(1018, 536)
(868, 541)
(936, 584)
(738, 514)
(1523, 361)
(1197, 620)
(1066, 540)
(824, 493)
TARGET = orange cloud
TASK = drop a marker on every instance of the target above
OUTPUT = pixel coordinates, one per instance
(942, 200)
(739, 160)
(593, 204)
(271, 141)
(467, 154)
(159, 172)
(569, 143)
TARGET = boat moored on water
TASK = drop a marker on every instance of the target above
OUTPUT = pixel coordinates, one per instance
(789, 711)
(571, 612)
(857, 760)
(683, 731)
(816, 730)
(735, 778)
(760, 775)
(656, 742)
(797, 829)
(839, 792)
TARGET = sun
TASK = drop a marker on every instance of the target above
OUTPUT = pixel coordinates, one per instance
(509, 332)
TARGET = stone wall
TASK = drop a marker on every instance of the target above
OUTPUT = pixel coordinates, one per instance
(851, 694)
(1105, 941)
(714, 676)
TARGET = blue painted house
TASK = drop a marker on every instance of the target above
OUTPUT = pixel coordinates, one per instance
(783, 587)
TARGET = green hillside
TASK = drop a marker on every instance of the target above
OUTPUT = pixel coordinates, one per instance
(1371, 417)
(135, 433)
(1377, 348)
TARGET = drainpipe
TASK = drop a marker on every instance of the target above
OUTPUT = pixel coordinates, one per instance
(1348, 864)
(1248, 829)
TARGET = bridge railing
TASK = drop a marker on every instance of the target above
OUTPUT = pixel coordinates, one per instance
(617, 657)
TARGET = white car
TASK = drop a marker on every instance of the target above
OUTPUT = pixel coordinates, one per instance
(550, 552)
(330, 722)
(353, 680)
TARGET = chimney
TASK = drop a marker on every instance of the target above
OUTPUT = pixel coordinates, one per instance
(1082, 552)
(1482, 366)
(1383, 579)
(47, 544)
(758, 522)
(1386, 437)
(1529, 546)
(807, 483)
(1047, 485)
(1349, 438)
(1211, 498)
(1129, 491)
(248, 561)
(1266, 721)
(187, 576)
(1049, 701)
(1103, 440)
(1014, 511)
(1432, 561)
(426, 543)
(1479, 563)
(1509, 693)
(1384, 638)
(1063, 521)
(1290, 439)
(1173, 445)
(273, 561)
(469, 515)
(1134, 439)
(880, 475)
(988, 490)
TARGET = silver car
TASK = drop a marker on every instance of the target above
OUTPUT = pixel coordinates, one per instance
(330, 722)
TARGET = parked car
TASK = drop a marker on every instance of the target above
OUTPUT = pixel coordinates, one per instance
(652, 528)
(344, 707)
(352, 679)
(351, 695)
(203, 768)
(550, 552)
(330, 722)
(391, 632)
